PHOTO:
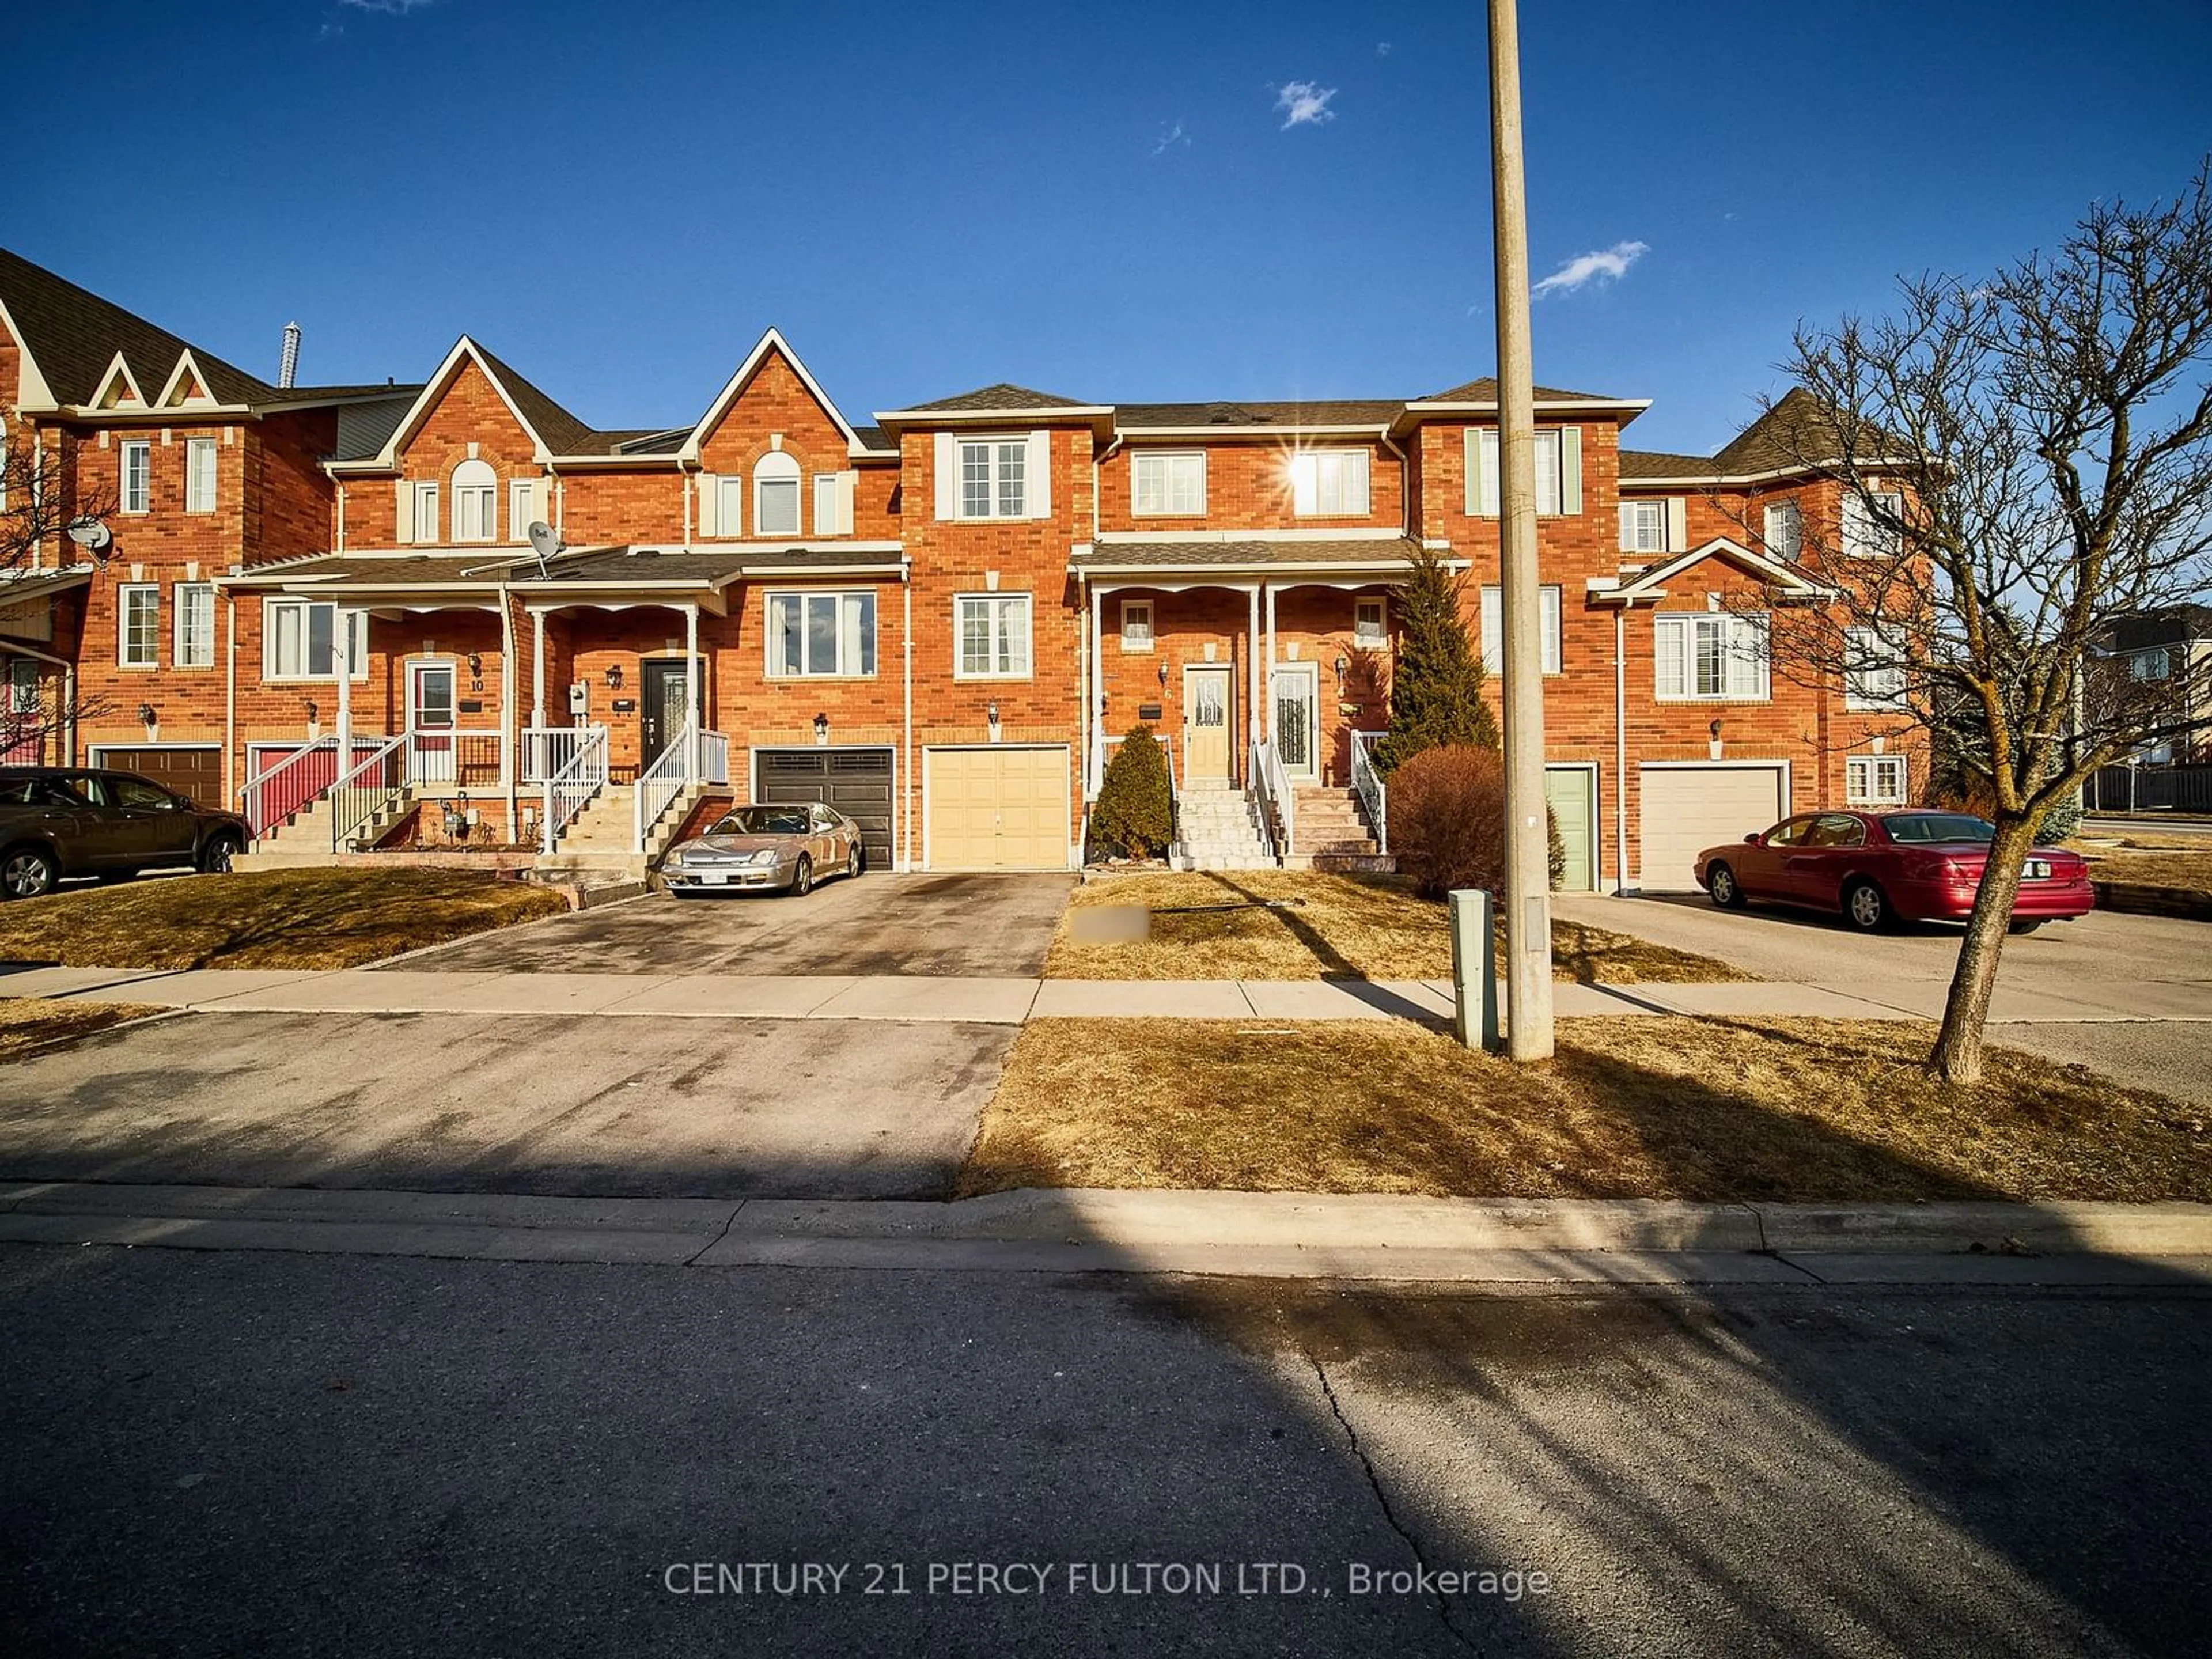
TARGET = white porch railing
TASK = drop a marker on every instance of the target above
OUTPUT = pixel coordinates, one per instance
(1279, 803)
(714, 757)
(1368, 785)
(547, 749)
(570, 789)
(364, 789)
(448, 757)
(283, 787)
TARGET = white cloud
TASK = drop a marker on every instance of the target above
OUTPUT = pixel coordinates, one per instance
(1305, 103)
(1381, 48)
(1169, 137)
(389, 8)
(1607, 264)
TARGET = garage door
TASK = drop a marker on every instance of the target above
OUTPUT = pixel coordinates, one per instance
(856, 781)
(1571, 793)
(996, 808)
(194, 772)
(1687, 808)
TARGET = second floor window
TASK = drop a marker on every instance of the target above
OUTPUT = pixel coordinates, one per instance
(138, 641)
(475, 502)
(199, 475)
(1709, 656)
(994, 478)
(299, 641)
(1493, 630)
(1644, 526)
(1784, 531)
(776, 495)
(1329, 483)
(137, 477)
(730, 505)
(992, 636)
(1558, 472)
(521, 507)
(1171, 485)
(1874, 670)
(194, 647)
(1871, 524)
(821, 633)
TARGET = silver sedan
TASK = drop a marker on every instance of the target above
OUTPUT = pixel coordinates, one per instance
(784, 849)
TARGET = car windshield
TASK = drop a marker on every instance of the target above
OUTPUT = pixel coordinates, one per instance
(762, 821)
(1921, 827)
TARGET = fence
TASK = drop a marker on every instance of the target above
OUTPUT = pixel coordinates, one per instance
(2150, 789)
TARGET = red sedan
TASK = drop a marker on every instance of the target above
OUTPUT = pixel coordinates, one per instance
(1877, 867)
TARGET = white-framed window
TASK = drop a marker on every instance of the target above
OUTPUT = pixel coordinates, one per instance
(1555, 497)
(1371, 623)
(2152, 662)
(22, 685)
(815, 635)
(1644, 526)
(1710, 655)
(1874, 670)
(194, 645)
(138, 625)
(299, 636)
(1329, 483)
(994, 478)
(1136, 624)
(199, 475)
(521, 507)
(1169, 484)
(1876, 780)
(776, 495)
(730, 504)
(1493, 630)
(425, 497)
(1784, 531)
(991, 637)
(137, 475)
(829, 505)
(475, 502)
(1871, 527)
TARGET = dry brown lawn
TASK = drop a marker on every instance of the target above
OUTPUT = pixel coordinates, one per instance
(1326, 926)
(1633, 1107)
(302, 918)
(2152, 864)
(29, 1026)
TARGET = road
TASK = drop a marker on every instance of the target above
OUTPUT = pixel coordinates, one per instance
(224, 1454)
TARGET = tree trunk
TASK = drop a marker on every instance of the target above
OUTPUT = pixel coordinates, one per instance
(1957, 1056)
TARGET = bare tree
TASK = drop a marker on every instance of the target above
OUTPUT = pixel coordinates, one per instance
(37, 509)
(2018, 464)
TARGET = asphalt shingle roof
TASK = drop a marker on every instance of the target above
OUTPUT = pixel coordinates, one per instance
(73, 335)
(1001, 396)
(1290, 415)
(1484, 390)
(1397, 551)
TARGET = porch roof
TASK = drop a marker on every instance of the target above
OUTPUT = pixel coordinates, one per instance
(19, 584)
(1386, 558)
(481, 570)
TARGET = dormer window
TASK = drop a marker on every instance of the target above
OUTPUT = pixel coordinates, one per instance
(776, 495)
(475, 502)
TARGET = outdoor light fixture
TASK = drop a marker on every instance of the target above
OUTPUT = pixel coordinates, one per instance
(475, 664)
(1163, 673)
(821, 728)
(614, 675)
(311, 710)
(991, 713)
(146, 715)
(1714, 728)
(1343, 663)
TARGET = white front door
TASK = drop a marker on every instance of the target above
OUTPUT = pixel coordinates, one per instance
(430, 722)
(1297, 725)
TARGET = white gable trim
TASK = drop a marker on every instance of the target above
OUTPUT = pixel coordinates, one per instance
(1651, 584)
(117, 370)
(771, 340)
(465, 350)
(187, 373)
(32, 391)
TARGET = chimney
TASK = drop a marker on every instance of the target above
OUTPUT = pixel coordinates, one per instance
(290, 365)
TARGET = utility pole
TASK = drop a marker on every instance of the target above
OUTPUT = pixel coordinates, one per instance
(1527, 862)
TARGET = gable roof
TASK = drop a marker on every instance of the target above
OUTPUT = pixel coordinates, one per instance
(73, 338)
(1293, 414)
(1650, 586)
(771, 340)
(545, 421)
(1484, 390)
(1799, 433)
(551, 429)
(1003, 396)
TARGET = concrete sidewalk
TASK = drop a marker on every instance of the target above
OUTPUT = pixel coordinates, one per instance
(1261, 1234)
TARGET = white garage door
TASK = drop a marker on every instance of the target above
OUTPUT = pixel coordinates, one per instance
(996, 808)
(1687, 808)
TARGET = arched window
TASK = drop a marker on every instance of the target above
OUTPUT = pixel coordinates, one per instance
(475, 502)
(776, 495)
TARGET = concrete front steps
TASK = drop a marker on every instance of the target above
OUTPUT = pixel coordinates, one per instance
(1332, 833)
(304, 840)
(599, 845)
(1218, 828)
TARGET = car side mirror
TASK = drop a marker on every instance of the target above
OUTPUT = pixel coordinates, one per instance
(1753, 839)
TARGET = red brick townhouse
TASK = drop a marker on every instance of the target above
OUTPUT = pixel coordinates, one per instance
(942, 620)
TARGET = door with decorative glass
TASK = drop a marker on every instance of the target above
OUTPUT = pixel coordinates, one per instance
(1297, 720)
(430, 721)
(1205, 724)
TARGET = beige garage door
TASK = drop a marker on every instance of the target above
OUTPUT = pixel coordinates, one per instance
(997, 809)
(1687, 808)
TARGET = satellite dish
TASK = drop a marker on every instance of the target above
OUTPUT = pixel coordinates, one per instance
(543, 542)
(91, 535)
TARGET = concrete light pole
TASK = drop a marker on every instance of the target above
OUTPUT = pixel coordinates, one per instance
(1528, 864)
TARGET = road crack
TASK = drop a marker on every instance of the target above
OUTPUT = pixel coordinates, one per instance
(1382, 1502)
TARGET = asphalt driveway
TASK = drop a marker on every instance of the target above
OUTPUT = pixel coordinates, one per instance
(465, 1102)
(954, 927)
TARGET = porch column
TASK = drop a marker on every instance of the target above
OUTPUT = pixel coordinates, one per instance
(1094, 698)
(509, 739)
(1268, 701)
(342, 659)
(537, 668)
(1252, 666)
(691, 690)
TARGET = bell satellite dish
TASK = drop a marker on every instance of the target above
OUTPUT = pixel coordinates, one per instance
(543, 542)
(91, 535)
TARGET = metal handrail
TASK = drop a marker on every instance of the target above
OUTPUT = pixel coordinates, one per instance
(354, 802)
(570, 790)
(660, 784)
(1277, 805)
(1368, 785)
(547, 749)
(254, 794)
(714, 757)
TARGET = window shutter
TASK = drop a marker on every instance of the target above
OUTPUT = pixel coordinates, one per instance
(1366, 486)
(1746, 657)
(849, 485)
(948, 477)
(1570, 472)
(1678, 524)
(404, 520)
(1493, 630)
(1038, 482)
(710, 496)
(1551, 603)
(1627, 529)
(538, 513)
(1482, 472)
(1667, 635)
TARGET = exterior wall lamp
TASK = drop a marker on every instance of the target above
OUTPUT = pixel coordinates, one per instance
(614, 675)
(149, 716)
(1343, 666)
(1164, 675)
(821, 728)
(476, 665)
(313, 712)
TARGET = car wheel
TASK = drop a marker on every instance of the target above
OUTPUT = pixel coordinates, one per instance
(1865, 907)
(222, 847)
(802, 879)
(27, 872)
(1724, 888)
(2028, 925)
(856, 860)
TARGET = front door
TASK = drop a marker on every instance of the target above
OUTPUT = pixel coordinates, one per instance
(664, 704)
(1205, 724)
(1297, 719)
(430, 721)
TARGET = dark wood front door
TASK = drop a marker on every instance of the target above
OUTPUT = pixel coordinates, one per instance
(663, 706)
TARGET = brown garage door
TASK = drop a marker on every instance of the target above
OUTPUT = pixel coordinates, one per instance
(196, 772)
(856, 781)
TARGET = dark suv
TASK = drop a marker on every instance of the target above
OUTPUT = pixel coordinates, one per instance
(58, 821)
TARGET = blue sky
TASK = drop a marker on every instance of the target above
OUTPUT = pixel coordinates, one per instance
(1134, 201)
